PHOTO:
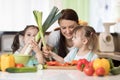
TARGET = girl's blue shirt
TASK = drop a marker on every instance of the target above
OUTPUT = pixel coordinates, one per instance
(33, 61)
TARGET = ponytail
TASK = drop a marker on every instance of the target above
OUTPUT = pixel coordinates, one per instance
(16, 44)
(94, 42)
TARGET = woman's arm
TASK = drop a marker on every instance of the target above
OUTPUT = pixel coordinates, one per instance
(49, 54)
(57, 57)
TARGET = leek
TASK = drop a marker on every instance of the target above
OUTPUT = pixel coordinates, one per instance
(38, 18)
(52, 17)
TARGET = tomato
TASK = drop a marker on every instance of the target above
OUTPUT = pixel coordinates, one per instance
(102, 62)
(19, 65)
(90, 64)
(100, 71)
(88, 70)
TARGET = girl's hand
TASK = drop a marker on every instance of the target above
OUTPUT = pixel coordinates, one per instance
(35, 46)
(28, 43)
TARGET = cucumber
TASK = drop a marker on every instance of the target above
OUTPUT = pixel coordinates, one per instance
(115, 70)
(21, 70)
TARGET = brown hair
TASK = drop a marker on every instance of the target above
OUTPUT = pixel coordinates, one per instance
(90, 34)
(67, 14)
(16, 44)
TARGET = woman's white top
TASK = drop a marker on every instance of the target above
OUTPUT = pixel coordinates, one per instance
(53, 40)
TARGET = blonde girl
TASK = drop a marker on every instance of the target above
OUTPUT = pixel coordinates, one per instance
(85, 42)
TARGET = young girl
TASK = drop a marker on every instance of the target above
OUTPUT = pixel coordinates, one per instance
(85, 45)
(23, 39)
(85, 42)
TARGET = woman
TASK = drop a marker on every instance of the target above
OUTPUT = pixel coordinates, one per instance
(61, 40)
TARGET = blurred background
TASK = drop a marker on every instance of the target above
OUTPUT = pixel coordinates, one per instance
(16, 14)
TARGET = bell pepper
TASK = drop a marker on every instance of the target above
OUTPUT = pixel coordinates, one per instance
(81, 64)
(7, 60)
(102, 63)
(0, 63)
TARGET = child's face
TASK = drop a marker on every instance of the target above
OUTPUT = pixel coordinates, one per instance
(30, 34)
(78, 39)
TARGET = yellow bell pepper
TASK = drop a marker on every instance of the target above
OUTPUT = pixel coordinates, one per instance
(0, 63)
(102, 63)
(7, 60)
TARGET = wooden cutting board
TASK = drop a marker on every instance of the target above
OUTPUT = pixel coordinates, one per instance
(62, 67)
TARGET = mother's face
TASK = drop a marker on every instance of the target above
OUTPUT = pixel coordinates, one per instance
(67, 27)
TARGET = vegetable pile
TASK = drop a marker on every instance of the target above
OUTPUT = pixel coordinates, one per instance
(98, 67)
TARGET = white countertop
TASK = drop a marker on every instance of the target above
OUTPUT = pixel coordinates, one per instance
(54, 75)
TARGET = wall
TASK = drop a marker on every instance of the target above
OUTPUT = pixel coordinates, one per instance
(6, 40)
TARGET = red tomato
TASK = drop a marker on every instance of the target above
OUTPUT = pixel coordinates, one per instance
(88, 70)
(100, 71)
(90, 64)
(19, 65)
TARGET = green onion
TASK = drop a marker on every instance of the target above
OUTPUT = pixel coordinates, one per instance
(52, 17)
(38, 18)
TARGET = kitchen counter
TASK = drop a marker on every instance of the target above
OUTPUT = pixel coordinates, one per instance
(113, 55)
(54, 75)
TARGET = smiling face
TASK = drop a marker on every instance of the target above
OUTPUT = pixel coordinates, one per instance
(30, 33)
(67, 27)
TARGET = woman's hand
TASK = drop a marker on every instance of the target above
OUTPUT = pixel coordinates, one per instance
(46, 51)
